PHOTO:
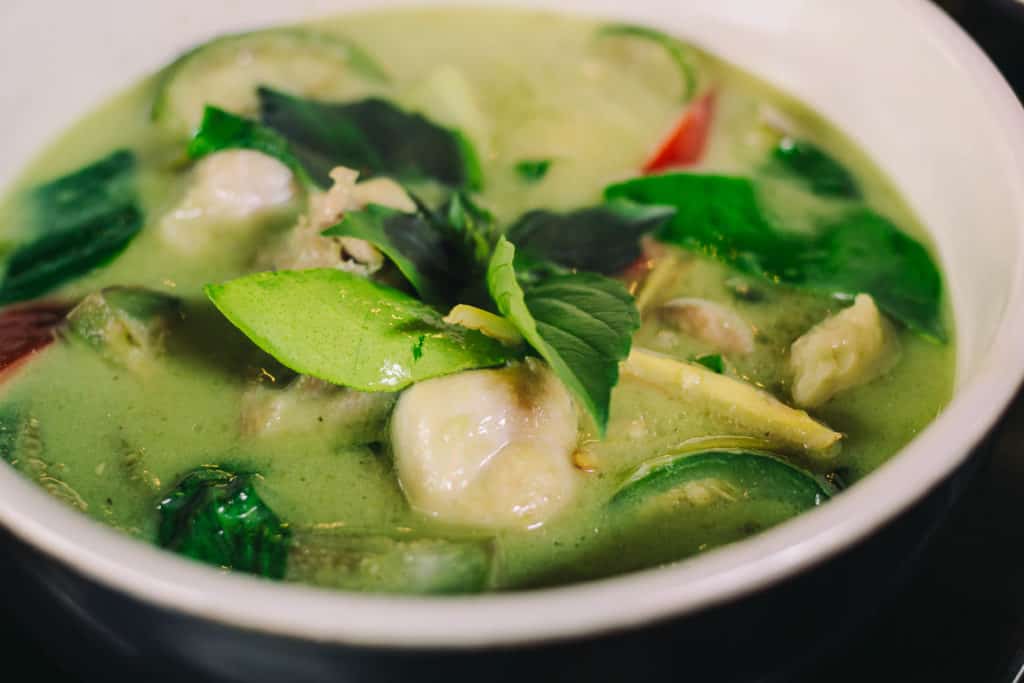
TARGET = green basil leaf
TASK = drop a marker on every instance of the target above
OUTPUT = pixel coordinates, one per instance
(822, 174)
(351, 331)
(221, 130)
(533, 170)
(861, 252)
(602, 239)
(712, 361)
(218, 517)
(95, 190)
(580, 323)
(372, 136)
(412, 243)
(682, 54)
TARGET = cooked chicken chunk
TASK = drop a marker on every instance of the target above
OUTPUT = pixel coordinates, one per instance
(227, 191)
(491, 448)
(715, 325)
(846, 350)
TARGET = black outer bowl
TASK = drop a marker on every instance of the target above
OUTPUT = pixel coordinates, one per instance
(101, 634)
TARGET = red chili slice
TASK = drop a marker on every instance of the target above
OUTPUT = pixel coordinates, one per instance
(27, 329)
(685, 144)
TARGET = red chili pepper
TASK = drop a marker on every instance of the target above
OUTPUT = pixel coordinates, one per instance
(27, 329)
(685, 144)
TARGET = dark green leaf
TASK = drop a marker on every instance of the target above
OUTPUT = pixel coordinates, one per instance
(372, 136)
(533, 170)
(712, 361)
(822, 174)
(861, 252)
(86, 194)
(580, 323)
(218, 517)
(680, 53)
(221, 130)
(53, 259)
(601, 239)
(348, 330)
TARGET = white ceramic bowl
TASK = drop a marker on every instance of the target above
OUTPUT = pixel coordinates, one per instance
(897, 75)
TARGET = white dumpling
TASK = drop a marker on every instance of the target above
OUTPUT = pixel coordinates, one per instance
(490, 448)
(228, 190)
(845, 350)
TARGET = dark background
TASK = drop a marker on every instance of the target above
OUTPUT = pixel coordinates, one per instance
(962, 619)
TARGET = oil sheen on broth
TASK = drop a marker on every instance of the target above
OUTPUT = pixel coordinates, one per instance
(760, 246)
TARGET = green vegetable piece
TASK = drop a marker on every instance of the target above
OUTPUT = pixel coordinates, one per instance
(221, 130)
(581, 324)
(51, 260)
(723, 475)
(372, 136)
(682, 54)
(712, 361)
(387, 563)
(351, 331)
(412, 243)
(533, 170)
(10, 429)
(87, 194)
(128, 325)
(861, 252)
(226, 71)
(822, 174)
(603, 239)
(218, 517)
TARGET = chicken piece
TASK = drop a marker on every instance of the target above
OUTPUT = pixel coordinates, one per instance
(715, 325)
(845, 350)
(228, 190)
(491, 448)
(308, 403)
(306, 247)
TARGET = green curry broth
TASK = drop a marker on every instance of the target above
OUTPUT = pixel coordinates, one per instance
(121, 439)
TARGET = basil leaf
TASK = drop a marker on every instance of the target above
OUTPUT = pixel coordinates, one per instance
(712, 361)
(372, 136)
(218, 517)
(679, 52)
(88, 193)
(822, 174)
(602, 239)
(412, 243)
(221, 130)
(533, 170)
(348, 330)
(581, 324)
(861, 252)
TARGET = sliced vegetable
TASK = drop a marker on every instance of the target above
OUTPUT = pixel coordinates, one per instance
(372, 136)
(127, 325)
(603, 239)
(94, 191)
(25, 330)
(347, 330)
(221, 130)
(820, 172)
(724, 476)
(218, 517)
(861, 252)
(581, 324)
(226, 71)
(494, 326)
(682, 54)
(685, 143)
(533, 170)
(750, 409)
(391, 563)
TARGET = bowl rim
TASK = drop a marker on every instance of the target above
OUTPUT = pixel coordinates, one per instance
(154, 576)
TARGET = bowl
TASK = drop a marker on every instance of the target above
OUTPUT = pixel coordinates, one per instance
(897, 75)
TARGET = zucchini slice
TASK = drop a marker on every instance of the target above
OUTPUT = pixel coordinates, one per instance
(225, 72)
(725, 475)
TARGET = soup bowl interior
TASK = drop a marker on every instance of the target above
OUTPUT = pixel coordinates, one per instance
(896, 75)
